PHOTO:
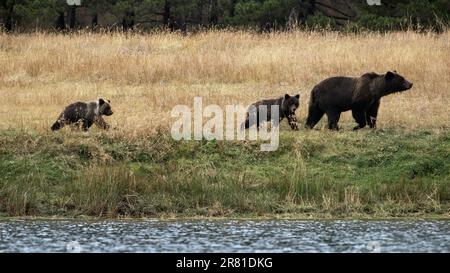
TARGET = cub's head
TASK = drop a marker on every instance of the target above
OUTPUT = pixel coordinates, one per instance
(104, 107)
(291, 103)
(395, 83)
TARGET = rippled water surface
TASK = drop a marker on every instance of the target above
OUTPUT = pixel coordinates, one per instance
(224, 236)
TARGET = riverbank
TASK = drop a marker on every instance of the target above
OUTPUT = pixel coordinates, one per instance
(137, 170)
(313, 175)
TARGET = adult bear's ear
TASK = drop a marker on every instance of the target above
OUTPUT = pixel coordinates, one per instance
(101, 101)
(389, 75)
(286, 96)
(297, 96)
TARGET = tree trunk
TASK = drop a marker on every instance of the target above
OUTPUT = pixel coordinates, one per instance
(61, 22)
(181, 24)
(311, 7)
(72, 16)
(213, 19)
(9, 24)
(94, 21)
(293, 19)
(200, 13)
(166, 13)
(128, 21)
(232, 8)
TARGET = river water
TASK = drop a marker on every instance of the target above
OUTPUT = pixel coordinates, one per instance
(224, 236)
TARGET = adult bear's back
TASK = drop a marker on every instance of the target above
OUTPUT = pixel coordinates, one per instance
(334, 91)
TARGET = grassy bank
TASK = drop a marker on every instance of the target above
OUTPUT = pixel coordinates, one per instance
(382, 173)
(400, 169)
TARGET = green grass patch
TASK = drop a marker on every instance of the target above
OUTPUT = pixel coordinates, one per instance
(370, 173)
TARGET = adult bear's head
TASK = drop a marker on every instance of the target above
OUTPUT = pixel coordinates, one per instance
(394, 82)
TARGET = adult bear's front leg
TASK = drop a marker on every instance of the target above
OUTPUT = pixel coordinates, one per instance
(372, 113)
(359, 116)
(333, 119)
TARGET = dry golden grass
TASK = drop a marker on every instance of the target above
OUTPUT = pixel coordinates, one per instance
(146, 75)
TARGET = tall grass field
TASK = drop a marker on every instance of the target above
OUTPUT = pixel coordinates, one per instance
(136, 169)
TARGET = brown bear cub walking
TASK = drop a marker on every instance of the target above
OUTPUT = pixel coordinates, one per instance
(286, 106)
(361, 95)
(84, 114)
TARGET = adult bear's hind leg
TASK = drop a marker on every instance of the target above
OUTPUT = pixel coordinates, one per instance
(333, 119)
(314, 116)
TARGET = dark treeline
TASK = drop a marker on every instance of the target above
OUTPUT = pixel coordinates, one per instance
(184, 15)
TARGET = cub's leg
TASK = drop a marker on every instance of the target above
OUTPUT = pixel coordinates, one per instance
(292, 120)
(59, 123)
(249, 122)
(86, 124)
(78, 125)
(101, 123)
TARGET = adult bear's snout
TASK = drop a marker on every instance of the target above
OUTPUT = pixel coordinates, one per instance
(408, 85)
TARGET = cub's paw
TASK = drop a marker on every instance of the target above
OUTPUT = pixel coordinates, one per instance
(292, 119)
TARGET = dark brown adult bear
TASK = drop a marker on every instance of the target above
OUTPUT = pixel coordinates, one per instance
(361, 95)
(84, 114)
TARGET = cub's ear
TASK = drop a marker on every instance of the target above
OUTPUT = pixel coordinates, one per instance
(286, 96)
(101, 101)
(389, 75)
(297, 96)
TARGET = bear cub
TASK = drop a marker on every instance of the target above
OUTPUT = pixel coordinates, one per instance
(84, 114)
(362, 95)
(286, 106)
